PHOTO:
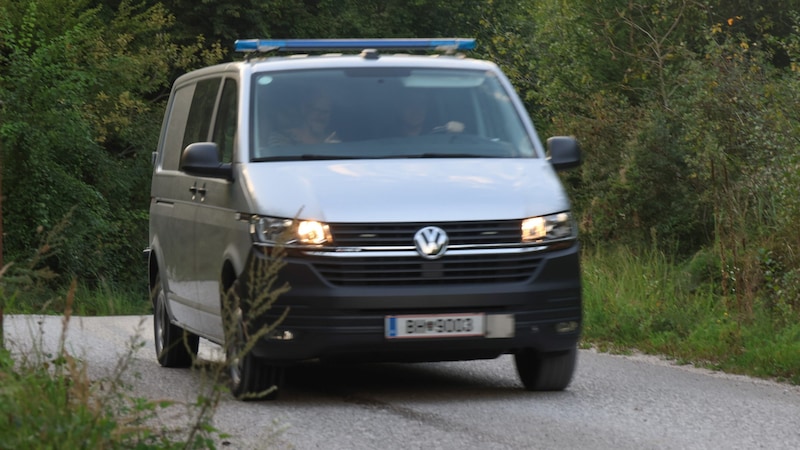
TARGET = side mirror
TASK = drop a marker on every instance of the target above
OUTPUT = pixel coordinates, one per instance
(564, 151)
(202, 159)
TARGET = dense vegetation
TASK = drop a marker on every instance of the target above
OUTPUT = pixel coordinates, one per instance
(686, 111)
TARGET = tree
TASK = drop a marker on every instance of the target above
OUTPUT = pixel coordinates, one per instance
(80, 123)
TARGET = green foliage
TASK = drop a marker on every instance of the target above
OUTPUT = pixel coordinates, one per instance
(78, 128)
(226, 21)
(51, 402)
(688, 119)
(686, 112)
(646, 300)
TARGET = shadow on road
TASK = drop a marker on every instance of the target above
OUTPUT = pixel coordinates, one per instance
(362, 383)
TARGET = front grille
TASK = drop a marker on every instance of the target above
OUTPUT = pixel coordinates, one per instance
(479, 267)
(402, 234)
(473, 269)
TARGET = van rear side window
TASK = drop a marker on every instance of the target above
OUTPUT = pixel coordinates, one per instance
(205, 96)
(176, 127)
(226, 120)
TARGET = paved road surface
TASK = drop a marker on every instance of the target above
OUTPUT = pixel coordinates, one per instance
(614, 402)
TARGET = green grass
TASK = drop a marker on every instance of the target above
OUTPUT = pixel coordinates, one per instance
(110, 301)
(49, 406)
(101, 300)
(48, 400)
(648, 302)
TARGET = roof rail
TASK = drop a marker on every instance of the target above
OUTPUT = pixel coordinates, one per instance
(448, 45)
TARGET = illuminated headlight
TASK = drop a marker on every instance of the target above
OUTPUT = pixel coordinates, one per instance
(273, 230)
(543, 229)
(311, 232)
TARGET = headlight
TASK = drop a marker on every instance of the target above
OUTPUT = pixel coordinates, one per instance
(555, 227)
(273, 230)
(311, 232)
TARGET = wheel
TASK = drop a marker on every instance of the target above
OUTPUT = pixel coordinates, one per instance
(546, 371)
(175, 347)
(250, 377)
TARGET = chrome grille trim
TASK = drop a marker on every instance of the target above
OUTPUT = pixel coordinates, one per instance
(412, 253)
(502, 232)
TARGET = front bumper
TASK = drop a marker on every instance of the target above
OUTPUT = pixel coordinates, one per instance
(332, 322)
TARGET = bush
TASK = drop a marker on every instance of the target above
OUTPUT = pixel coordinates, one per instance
(647, 301)
(83, 99)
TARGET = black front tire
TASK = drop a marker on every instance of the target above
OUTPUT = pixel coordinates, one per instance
(175, 347)
(250, 377)
(546, 371)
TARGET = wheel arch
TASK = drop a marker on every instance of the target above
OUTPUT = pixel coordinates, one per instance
(153, 268)
(232, 266)
(228, 276)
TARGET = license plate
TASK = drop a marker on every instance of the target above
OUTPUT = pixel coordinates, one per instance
(435, 326)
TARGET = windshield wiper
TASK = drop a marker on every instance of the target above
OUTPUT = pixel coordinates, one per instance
(313, 157)
(446, 155)
(316, 157)
(303, 157)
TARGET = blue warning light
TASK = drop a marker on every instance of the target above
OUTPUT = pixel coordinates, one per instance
(439, 44)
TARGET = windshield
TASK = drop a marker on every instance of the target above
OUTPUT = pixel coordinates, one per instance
(384, 113)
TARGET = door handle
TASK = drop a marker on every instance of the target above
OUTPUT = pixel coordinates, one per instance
(198, 190)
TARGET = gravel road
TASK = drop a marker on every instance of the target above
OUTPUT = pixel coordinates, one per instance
(614, 402)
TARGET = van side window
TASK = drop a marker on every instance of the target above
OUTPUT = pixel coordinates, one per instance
(176, 126)
(199, 123)
(225, 124)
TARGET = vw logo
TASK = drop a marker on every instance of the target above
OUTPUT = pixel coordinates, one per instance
(431, 242)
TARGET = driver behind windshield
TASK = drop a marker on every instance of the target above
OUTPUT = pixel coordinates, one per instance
(314, 127)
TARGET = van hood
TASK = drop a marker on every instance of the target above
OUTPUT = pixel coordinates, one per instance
(403, 190)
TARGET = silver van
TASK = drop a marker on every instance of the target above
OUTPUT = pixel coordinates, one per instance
(375, 204)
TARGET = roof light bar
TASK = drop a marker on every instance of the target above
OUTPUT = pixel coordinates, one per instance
(266, 45)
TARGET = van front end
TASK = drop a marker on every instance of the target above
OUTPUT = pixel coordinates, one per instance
(374, 299)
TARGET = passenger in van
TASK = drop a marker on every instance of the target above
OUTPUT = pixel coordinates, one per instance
(314, 127)
(413, 115)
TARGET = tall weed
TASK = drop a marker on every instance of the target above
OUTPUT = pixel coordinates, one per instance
(49, 400)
